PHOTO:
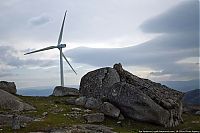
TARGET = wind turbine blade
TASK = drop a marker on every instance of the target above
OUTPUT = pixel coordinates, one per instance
(47, 48)
(69, 63)
(61, 30)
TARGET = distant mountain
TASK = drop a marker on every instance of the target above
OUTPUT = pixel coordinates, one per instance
(36, 91)
(192, 97)
(39, 90)
(183, 86)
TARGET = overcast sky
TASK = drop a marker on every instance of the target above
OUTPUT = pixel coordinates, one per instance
(155, 39)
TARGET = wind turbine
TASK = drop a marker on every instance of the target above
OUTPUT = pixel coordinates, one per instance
(60, 47)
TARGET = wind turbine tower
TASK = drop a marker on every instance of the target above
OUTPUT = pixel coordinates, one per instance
(59, 46)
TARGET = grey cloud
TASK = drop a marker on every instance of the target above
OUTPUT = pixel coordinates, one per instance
(5, 74)
(178, 71)
(39, 20)
(87, 21)
(142, 55)
(161, 53)
(162, 50)
(9, 57)
(156, 73)
(182, 18)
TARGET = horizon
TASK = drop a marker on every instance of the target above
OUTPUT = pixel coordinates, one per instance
(157, 40)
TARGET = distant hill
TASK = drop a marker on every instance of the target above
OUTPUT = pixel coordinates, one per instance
(192, 97)
(36, 91)
(39, 90)
(183, 86)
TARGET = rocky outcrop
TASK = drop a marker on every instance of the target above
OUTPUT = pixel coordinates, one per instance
(9, 101)
(65, 91)
(8, 86)
(16, 121)
(137, 98)
(96, 104)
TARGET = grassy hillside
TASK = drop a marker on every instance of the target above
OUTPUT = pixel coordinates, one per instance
(59, 116)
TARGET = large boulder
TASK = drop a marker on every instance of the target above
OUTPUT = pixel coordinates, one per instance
(65, 91)
(137, 105)
(93, 84)
(9, 101)
(137, 98)
(8, 86)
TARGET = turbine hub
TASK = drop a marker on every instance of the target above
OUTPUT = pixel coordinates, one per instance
(62, 46)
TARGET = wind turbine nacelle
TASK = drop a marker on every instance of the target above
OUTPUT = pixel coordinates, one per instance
(62, 46)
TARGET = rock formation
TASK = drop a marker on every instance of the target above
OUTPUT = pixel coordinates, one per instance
(9, 101)
(8, 86)
(65, 91)
(137, 98)
(10, 120)
(96, 104)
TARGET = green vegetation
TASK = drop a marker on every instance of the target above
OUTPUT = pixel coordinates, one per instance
(57, 117)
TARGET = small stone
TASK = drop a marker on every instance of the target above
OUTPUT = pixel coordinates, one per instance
(95, 117)
(76, 109)
(87, 111)
(45, 113)
(121, 117)
(120, 123)
(195, 122)
(197, 113)
(39, 119)
(23, 125)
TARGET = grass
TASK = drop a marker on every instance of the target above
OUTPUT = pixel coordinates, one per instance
(60, 119)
